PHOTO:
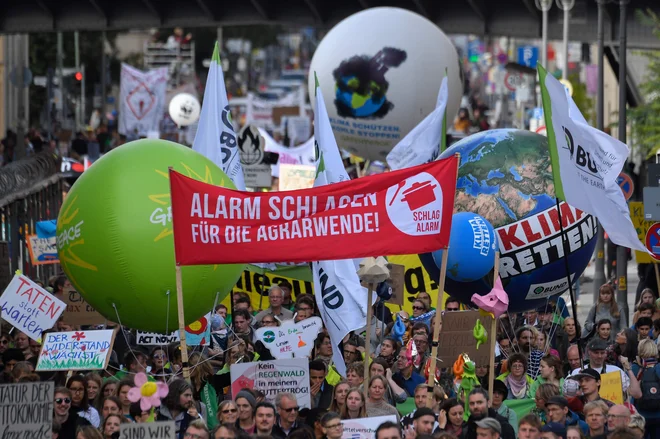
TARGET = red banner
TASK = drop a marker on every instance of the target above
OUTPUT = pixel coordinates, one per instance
(396, 213)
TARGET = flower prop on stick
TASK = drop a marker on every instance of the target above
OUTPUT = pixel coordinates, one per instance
(147, 393)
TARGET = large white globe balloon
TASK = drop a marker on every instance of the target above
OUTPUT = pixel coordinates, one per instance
(380, 72)
(184, 109)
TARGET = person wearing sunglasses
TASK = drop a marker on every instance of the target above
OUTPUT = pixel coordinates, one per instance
(69, 422)
(452, 304)
(227, 412)
(287, 414)
(419, 308)
(332, 426)
(159, 364)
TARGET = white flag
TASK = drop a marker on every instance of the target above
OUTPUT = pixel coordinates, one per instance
(422, 144)
(141, 99)
(586, 163)
(215, 138)
(341, 300)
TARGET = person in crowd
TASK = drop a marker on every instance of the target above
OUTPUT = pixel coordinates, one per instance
(479, 410)
(618, 416)
(488, 428)
(159, 364)
(556, 408)
(264, 417)
(242, 327)
(135, 362)
(376, 403)
(529, 427)
(22, 342)
(572, 330)
(111, 426)
(406, 377)
(322, 346)
(643, 327)
(20, 370)
(604, 330)
(138, 415)
(110, 405)
(595, 414)
(339, 397)
(389, 348)
(287, 298)
(123, 387)
(648, 371)
(553, 430)
(225, 431)
(605, 308)
(500, 393)
(68, 419)
(589, 380)
(388, 430)
(574, 432)
(646, 297)
(524, 336)
(332, 426)
(320, 390)
(179, 406)
(275, 298)
(450, 419)
(108, 388)
(550, 371)
(287, 411)
(419, 307)
(555, 337)
(93, 383)
(421, 400)
(356, 406)
(355, 374)
(80, 400)
(395, 394)
(543, 393)
(516, 380)
(625, 345)
(573, 359)
(462, 123)
(423, 423)
(351, 353)
(227, 412)
(542, 343)
(246, 402)
(197, 429)
(638, 426)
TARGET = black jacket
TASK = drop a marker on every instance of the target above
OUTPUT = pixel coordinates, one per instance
(325, 398)
(470, 429)
(279, 433)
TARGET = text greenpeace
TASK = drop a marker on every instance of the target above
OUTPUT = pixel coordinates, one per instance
(402, 212)
(536, 241)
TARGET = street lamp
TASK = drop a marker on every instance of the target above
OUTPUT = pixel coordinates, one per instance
(544, 6)
(566, 6)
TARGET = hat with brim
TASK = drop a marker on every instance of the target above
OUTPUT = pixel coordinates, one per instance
(586, 373)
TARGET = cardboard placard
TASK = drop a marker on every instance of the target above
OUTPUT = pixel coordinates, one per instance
(641, 227)
(273, 377)
(79, 312)
(76, 350)
(43, 251)
(29, 308)
(294, 177)
(279, 112)
(456, 338)
(198, 333)
(364, 428)
(148, 430)
(291, 339)
(26, 410)
(611, 387)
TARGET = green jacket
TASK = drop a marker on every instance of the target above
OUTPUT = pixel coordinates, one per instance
(538, 381)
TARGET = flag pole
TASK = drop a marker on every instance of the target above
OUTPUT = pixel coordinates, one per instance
(367, 340)
(564, 241)
(438, 323)
(493, 332)
(179, 303)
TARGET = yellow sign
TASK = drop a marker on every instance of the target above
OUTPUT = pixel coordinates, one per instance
(641, 227)
(611, 387)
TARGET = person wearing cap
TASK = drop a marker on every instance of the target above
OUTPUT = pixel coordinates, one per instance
(597, 351)
(589, 384)
(246, 402)
(553, 430)
(478, 404)
(556, 409)
(488, 428)
(500, 393)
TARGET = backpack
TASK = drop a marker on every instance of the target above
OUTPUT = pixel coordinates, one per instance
(650, 384)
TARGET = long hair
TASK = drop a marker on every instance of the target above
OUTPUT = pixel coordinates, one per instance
(334, 407)
(84, 404)
(100, 398)
(177, 387)
(555, 364)
(201, 370)
(614, 307)
(645, 291)
(363, 409)
(632, 343)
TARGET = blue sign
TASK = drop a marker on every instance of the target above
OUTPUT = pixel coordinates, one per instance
(474, 50)
(626, 184)
(528, 56)
(652, 240)
(537, 113)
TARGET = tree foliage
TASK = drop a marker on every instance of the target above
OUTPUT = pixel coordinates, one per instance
(646, 117)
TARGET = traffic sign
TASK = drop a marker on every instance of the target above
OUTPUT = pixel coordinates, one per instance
(528, 56)
(513, 80)
(626, 184)
(652, 240)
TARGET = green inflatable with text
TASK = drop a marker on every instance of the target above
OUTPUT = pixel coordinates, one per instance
(115, 243)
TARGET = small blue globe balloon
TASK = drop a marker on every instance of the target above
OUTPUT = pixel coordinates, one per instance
(472, 247)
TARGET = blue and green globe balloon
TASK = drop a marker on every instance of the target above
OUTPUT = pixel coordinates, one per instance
(115, 238)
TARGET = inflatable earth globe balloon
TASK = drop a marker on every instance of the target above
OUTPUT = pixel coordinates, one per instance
(505, 176)
(380, 72)
(115, 244)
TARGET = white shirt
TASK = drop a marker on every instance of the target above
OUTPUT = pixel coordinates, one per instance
(625, 380)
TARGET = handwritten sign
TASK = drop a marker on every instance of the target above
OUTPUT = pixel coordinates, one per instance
(456, 338)
(291, 339)
(154, 338)
(364, 428)
(148, 430)
(76, 350)
(294, 177)
(79, 312)
(273, 377)
(611, 387)
(43, 250)
(26, 410)
(198, 333)
(29, 308)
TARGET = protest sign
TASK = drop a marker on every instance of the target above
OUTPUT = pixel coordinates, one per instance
(79, 312)
(611, 387)
(364, 428)
(456, 338)
(294, 177)
(401, 212)
(26, 410)
(76, 350)
(148, 430)
(29, 308)
(43, 250)
(154, 338)
(291, 339)
(273, 377)
(641, 227)
(198, 333)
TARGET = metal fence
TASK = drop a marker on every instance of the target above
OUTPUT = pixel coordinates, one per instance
(30, 191)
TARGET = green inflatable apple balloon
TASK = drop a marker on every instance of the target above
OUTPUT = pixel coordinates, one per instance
(114, 237)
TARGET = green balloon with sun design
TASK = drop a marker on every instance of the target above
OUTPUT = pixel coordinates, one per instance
(115, 243)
